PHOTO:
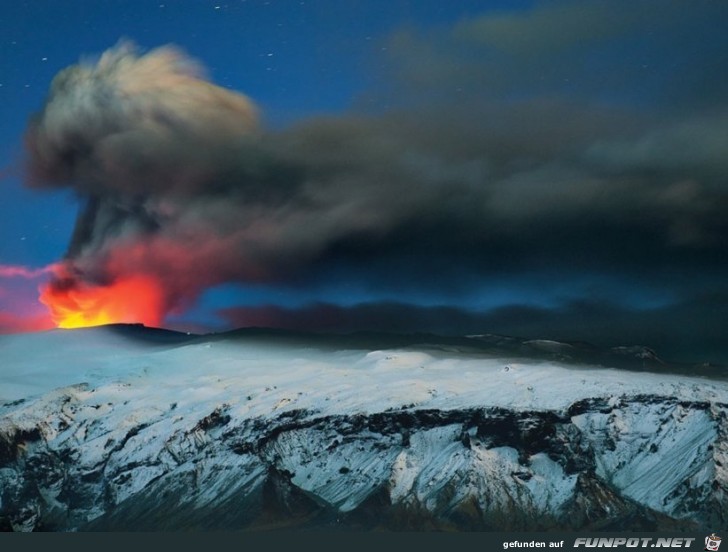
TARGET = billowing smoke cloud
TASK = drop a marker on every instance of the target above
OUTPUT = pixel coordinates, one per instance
(184, 190)
(133, 124)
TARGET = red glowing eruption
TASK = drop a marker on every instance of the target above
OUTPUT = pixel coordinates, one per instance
(128, 299)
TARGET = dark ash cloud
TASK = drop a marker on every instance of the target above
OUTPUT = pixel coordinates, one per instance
(484, 171)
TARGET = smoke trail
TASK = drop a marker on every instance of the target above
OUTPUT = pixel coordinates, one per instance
(17, 271)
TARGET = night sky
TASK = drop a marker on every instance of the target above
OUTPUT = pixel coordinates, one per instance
(544, 169)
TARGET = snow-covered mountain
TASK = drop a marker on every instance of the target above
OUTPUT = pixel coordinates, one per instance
(128, 428)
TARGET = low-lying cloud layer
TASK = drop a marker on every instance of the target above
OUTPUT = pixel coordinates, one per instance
(494, 164)
(689, 331)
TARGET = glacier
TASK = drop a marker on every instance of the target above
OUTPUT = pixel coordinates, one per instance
(131, 428)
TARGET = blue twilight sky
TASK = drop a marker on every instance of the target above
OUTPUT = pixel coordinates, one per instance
(568, 158)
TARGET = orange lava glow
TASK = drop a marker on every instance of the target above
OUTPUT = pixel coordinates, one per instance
(133, 299)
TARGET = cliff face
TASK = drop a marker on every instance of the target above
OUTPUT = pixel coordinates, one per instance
(238, 438)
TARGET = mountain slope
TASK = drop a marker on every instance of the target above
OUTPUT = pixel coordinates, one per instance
(227, 434)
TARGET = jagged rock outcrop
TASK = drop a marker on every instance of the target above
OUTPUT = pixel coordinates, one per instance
(642, 462)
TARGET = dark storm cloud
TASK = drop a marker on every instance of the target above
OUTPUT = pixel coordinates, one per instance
(497, 163)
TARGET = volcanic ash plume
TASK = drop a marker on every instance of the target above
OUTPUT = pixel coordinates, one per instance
(137, 137)
(183, 191)
(135, 124)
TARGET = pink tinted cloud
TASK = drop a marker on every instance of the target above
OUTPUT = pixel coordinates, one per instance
(15, 323)
(19, 271)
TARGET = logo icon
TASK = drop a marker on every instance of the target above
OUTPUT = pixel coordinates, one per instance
(712, 542)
